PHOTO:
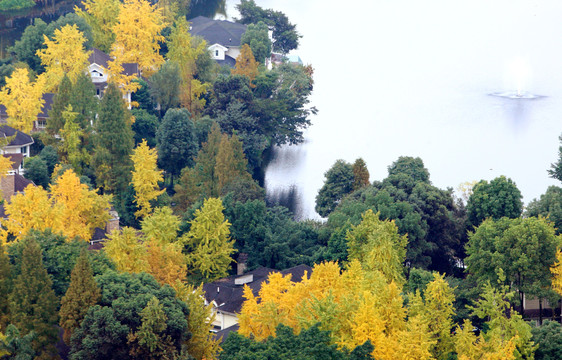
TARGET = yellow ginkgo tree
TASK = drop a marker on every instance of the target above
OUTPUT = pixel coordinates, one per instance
(102, 16)
(23, 99)
(146, 177)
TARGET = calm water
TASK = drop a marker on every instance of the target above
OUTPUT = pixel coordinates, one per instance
(414, 78)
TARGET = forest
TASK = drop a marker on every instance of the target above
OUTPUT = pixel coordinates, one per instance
(175, 152)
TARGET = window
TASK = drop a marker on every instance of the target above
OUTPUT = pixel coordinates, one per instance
(217, 53)
(24, 150)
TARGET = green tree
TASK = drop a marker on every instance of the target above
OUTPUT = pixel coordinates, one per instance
(555, 170)
(103, 334)
(338, 183)
(82, 293)
(165, 86)
(524, 249)
(231, 164)
(50, 156)
(498, 198)
(5, 286)
(113, 142)
(145, 127)
(84, 101)
(285, 35)
(208, 244)
(360, 174)
(19, 347)
(177, 144)
(257, 36)
(36, 171)
(310, 344)
(548, 337)
(25, 49)
(548, 205)
(33, 303)
(60, 101)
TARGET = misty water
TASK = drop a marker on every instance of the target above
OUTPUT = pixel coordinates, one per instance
(415, 78)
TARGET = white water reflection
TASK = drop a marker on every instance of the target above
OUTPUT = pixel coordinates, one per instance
(413, 78)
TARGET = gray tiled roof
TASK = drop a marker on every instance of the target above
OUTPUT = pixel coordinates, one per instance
(20, 138)
(221, 32)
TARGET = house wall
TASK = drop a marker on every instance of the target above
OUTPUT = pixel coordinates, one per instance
(233, 52)
(225, 320)
(217, 52)
(16, 150)
(97, 73)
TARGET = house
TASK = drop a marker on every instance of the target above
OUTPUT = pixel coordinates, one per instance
(19, 142)
(98, 69)
(11, 185)
(222, 36)
(226, 295)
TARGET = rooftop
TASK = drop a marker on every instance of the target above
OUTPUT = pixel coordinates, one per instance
(222, 32)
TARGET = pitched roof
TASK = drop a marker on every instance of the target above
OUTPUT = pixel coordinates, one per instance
(47, 105)
(222, 32)
(99, 57)
(20, 138)
(20, 183)
(229, 296)
(228, 61)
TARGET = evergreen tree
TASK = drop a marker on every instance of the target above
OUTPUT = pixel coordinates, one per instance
(33, 303)
(338, 183)
(17, 346)
(5, 286)
(231, 164)
(114, 142)
(246, 64)
(84, 100)
(60, 102)
(82, 293)
(177, 142)
(360, 174)
(208, 243)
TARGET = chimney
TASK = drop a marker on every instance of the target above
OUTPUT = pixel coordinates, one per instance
(241, 265)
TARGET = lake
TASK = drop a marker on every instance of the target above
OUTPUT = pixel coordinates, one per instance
(414, 78)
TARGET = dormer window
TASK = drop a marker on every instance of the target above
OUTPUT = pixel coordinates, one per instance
(217, 53)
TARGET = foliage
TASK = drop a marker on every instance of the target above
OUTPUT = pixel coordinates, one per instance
(65, 55)
(202, 343)
(33, 303)
(144, 127)
(70, 208)
(17, 346)
(524, 249)
(72, 148)
(145, 178)
(246, 64)
(184, 51)
(548, 205)
(22, 99)
(137, 35)
(61, 100)
(208, 245)
(82, 293)
(165, 86)
(285, 35)
(360, 174)
(498, 198)
(177, 144)
(377, 246)
(128, 254)
(5, 286)
(104, 332)
(101, 15)
(310, 344)
(548, 338)
(338, 183)
(51, 158)
(257, 37)
(113, 143)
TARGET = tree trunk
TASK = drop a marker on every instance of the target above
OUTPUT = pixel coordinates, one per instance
(540, 311)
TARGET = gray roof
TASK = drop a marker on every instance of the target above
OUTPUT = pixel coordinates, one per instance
(228, 61)
(221, 32)
(99, 57)
(20, 138)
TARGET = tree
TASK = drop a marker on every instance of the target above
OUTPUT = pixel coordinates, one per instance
(246, 64)
(36, 171)
(84, 102)
(360, 174)
(102, 16)
(25, 49)
(125, 250)
(312, 343)
(137, 35)
(257, 36)
(113, 142)
(184, 51)
(5, 286)
(165, 86)
(16, 346)
(285, 35)
(72, 148)
(22, 99)
(70, 208)
(104, 332)
(524, 249)
(208, 243)
(231, 164)
(145, 127)
(548, 338)
(60, 102)
(64, 55)
(33, 304)
(177, 144)
(498, 198)
(548, 205)
(82, 293)
(145, 179)
(338, 183)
